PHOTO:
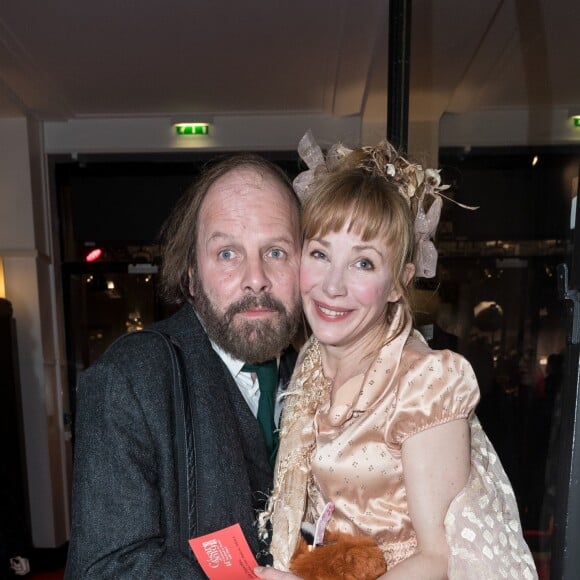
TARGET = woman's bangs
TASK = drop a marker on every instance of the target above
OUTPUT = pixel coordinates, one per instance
(361, 210)
(370, 219)
(326, 212)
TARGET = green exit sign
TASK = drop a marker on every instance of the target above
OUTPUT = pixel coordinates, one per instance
(576, 121)
(192, 128)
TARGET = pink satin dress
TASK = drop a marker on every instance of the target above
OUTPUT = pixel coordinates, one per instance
(357, 464)
(350, 454)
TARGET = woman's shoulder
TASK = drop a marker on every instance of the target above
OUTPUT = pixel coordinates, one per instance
(433, 387)
(417, 355)
(427, 374)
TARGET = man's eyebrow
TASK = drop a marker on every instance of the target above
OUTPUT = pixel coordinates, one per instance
(284, 240)
(219, 236)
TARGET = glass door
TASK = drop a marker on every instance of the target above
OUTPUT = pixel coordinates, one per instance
(499, 300)
(104, 301)
(563, 490)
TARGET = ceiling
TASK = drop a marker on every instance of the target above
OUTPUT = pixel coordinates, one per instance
(71, 59)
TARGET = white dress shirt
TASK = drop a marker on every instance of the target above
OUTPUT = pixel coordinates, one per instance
(247, 383)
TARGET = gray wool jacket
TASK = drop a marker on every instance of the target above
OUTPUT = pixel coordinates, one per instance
(126, 499)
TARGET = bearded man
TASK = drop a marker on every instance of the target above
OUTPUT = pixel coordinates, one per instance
(144, 466)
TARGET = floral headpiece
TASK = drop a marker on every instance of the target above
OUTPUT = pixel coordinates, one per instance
(413, 182)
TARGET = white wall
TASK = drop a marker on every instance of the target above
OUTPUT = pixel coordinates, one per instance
(494, 127)
(29, 268)
(227, 132)
(498, 127)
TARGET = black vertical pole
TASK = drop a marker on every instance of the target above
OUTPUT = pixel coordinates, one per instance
(398, 75)
(565, 556)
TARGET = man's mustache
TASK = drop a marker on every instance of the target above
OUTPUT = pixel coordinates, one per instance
(250, 302)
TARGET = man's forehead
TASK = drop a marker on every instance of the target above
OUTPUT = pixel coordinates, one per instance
(241, 176)
(246, 193)
(245, 187)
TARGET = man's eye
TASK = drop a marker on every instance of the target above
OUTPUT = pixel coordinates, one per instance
(226, 254)
(277, 253)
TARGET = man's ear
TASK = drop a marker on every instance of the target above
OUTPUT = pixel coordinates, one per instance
(406, 277)
(190, 281)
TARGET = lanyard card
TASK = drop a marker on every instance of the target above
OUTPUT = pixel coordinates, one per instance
(225, 554)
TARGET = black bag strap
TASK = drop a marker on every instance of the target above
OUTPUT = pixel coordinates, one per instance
(185, 443)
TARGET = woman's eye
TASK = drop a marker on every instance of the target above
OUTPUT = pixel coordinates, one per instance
(318, 254)
(365, 264)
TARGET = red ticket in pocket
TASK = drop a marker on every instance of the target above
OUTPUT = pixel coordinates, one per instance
(225, 554)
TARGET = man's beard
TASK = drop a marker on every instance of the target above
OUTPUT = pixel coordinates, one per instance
(251, 341)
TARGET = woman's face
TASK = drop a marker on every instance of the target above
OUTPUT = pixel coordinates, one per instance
(346, 284)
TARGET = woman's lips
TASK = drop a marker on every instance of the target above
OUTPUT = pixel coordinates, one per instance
(331, 313)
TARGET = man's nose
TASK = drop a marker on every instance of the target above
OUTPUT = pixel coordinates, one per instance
(255, 276)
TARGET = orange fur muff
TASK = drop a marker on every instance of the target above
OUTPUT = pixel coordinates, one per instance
(342, 556)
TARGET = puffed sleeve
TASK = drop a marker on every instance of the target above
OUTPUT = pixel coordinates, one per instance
(434, 387)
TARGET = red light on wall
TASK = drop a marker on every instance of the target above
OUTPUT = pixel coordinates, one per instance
(94, 255)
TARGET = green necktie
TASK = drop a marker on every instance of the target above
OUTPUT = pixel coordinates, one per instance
(267, 373)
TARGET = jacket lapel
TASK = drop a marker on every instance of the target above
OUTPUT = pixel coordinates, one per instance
(231, 463)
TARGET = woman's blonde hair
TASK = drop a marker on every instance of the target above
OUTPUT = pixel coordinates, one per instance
(371, 206)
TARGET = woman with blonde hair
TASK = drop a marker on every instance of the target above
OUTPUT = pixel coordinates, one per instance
(378, 429)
